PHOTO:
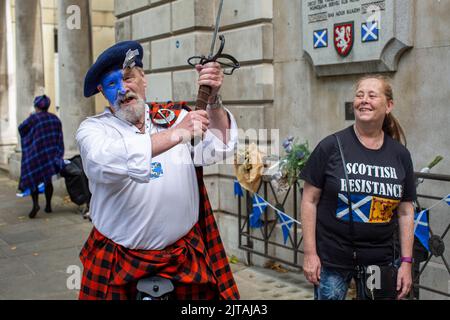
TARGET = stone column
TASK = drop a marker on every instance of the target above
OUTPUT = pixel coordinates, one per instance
(29, 55)
(29, 65)
(8, 139)
(75, 58)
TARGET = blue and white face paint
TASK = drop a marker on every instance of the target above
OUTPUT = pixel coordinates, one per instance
(121, 99)
(113, 88)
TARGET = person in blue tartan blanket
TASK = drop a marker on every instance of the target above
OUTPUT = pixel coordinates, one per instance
(42, 143)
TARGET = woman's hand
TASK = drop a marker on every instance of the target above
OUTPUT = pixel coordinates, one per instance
(311, 268)
(311, 261)
(404, 280)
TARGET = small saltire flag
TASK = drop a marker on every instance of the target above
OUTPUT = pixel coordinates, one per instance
(320, 38)
(238, 189)
(259, 205)
(370, 31)
(421, 228)
(286, 224)
(27, 192)
(447, 199)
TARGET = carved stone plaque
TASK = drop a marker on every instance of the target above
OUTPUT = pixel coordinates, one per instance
(356, 36)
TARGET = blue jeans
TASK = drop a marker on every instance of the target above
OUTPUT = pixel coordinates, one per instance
(334, 284)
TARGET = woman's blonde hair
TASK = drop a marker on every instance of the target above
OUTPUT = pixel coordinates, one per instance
(391, 126)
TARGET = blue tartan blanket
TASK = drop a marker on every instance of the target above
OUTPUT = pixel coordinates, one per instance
(42, 149)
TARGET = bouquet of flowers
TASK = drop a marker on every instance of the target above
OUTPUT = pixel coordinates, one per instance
(290, 166)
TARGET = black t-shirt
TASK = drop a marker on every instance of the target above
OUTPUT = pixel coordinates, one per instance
(379, 180)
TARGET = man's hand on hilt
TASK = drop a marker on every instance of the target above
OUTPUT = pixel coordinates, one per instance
(194, 124)
(211, 75)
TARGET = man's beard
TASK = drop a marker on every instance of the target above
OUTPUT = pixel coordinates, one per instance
(132, 113)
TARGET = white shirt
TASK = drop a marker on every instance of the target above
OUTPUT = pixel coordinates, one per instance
(128, 205)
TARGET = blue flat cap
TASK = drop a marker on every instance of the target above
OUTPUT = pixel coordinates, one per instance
(111, 59)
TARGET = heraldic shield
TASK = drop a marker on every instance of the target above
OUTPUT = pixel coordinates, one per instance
(343, 35)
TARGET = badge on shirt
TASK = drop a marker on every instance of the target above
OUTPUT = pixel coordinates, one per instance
(156, 170)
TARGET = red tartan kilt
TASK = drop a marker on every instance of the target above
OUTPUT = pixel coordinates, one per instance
(197, 263)
(112, 271)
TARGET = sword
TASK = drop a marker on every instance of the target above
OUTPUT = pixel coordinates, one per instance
(225, 60)
(216, 29)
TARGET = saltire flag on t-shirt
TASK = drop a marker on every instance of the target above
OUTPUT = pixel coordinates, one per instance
(361, 205)
(421, 228)
(286, 224)
(259, 205)
(367, 209)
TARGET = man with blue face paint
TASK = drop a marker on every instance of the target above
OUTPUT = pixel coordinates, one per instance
(149, 206)
(112, 85)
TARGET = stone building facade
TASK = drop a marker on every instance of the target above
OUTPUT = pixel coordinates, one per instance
(279, 88)
(46, 47)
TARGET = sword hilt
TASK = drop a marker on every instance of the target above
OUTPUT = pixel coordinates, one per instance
(202, 102)
(202, 97)
(227, 61)
(204, 92)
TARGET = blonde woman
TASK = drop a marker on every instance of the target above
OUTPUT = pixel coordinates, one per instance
(380, 184)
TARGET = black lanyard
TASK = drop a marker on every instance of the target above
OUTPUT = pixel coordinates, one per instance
(350, 209)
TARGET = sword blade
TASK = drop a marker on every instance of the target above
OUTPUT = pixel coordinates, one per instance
(216, 30)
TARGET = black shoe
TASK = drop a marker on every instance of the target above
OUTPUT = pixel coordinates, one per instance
(33, 212)
(48, 209)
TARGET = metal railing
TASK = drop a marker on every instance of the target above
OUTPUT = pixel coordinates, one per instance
(247, 237)
(250, 238)
(436, 243)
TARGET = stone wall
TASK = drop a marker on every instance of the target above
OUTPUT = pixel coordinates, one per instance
(101, 20)
(277, 87)
(8, 137)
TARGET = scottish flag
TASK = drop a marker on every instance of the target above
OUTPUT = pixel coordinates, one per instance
(370, 31)
(286, 223)
(360, 206)
(447, 199)
(238, 189)
(259, 205)
(320, 39)
(421, 228)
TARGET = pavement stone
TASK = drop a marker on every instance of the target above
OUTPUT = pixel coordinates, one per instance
(13, 267)
(52, 261)
(35, 287)
(35, 254)
(257, 283)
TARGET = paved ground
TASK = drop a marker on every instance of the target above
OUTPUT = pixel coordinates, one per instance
(35, 254)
